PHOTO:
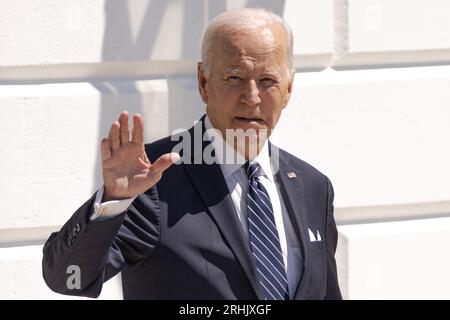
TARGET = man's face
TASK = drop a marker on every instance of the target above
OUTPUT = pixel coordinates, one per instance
(250, 82)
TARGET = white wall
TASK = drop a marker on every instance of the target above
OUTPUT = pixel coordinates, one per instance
(370, 108)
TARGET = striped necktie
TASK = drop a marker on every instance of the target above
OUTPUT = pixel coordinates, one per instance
(264, 239)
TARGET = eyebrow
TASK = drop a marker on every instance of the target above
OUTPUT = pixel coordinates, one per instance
(239, 70)
(271, 72)
(233, 69)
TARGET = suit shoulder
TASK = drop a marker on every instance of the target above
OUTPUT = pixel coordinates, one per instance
(159, 147)
(307, 169)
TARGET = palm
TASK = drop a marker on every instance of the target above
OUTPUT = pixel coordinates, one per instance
(127, 170)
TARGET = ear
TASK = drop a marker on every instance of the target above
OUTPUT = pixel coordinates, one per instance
(201, 80)
(289, 90)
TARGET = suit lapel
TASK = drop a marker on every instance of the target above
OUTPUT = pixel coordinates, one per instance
(213, 190)
(292, 189)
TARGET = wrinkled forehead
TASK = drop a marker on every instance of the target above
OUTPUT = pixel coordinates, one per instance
(253, 44)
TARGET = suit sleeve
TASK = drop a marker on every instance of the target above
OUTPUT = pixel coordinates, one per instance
(333, 292)
(100, 249)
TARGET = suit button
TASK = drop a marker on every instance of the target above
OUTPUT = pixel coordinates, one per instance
(69, 242)
(77, 227)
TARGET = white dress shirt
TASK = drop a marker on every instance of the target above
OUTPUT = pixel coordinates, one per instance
(237, 182)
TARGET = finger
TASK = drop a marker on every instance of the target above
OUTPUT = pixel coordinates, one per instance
(113, 137)
(163, 163)
(138, 129)
(105, 149)
(124, 133)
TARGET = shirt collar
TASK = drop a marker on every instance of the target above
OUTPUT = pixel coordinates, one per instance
(263, 159)
(223, 152)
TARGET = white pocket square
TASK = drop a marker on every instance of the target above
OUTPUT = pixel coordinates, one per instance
(314, 238)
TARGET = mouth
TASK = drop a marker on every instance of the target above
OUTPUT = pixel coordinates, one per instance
(250, 119)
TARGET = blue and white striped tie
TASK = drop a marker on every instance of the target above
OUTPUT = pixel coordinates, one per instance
(264, 239)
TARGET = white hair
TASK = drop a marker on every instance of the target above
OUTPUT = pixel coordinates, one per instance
(238, 19)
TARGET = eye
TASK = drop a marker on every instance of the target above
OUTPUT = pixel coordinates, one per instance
(267, 82)
(234, 79)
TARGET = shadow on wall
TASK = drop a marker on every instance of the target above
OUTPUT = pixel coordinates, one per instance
(126, 40)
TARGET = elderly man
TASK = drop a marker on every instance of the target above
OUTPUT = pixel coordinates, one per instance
(258, 227)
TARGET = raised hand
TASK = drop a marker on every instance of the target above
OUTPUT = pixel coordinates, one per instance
(127, 171)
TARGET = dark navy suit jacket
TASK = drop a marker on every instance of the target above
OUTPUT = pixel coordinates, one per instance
(182, 238)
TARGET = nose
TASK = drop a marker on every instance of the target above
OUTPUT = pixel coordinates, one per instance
(250, 95)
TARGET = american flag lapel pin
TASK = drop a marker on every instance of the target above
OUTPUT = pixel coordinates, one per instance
(291, 175)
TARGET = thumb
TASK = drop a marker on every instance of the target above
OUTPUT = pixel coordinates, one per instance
(164, 162)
